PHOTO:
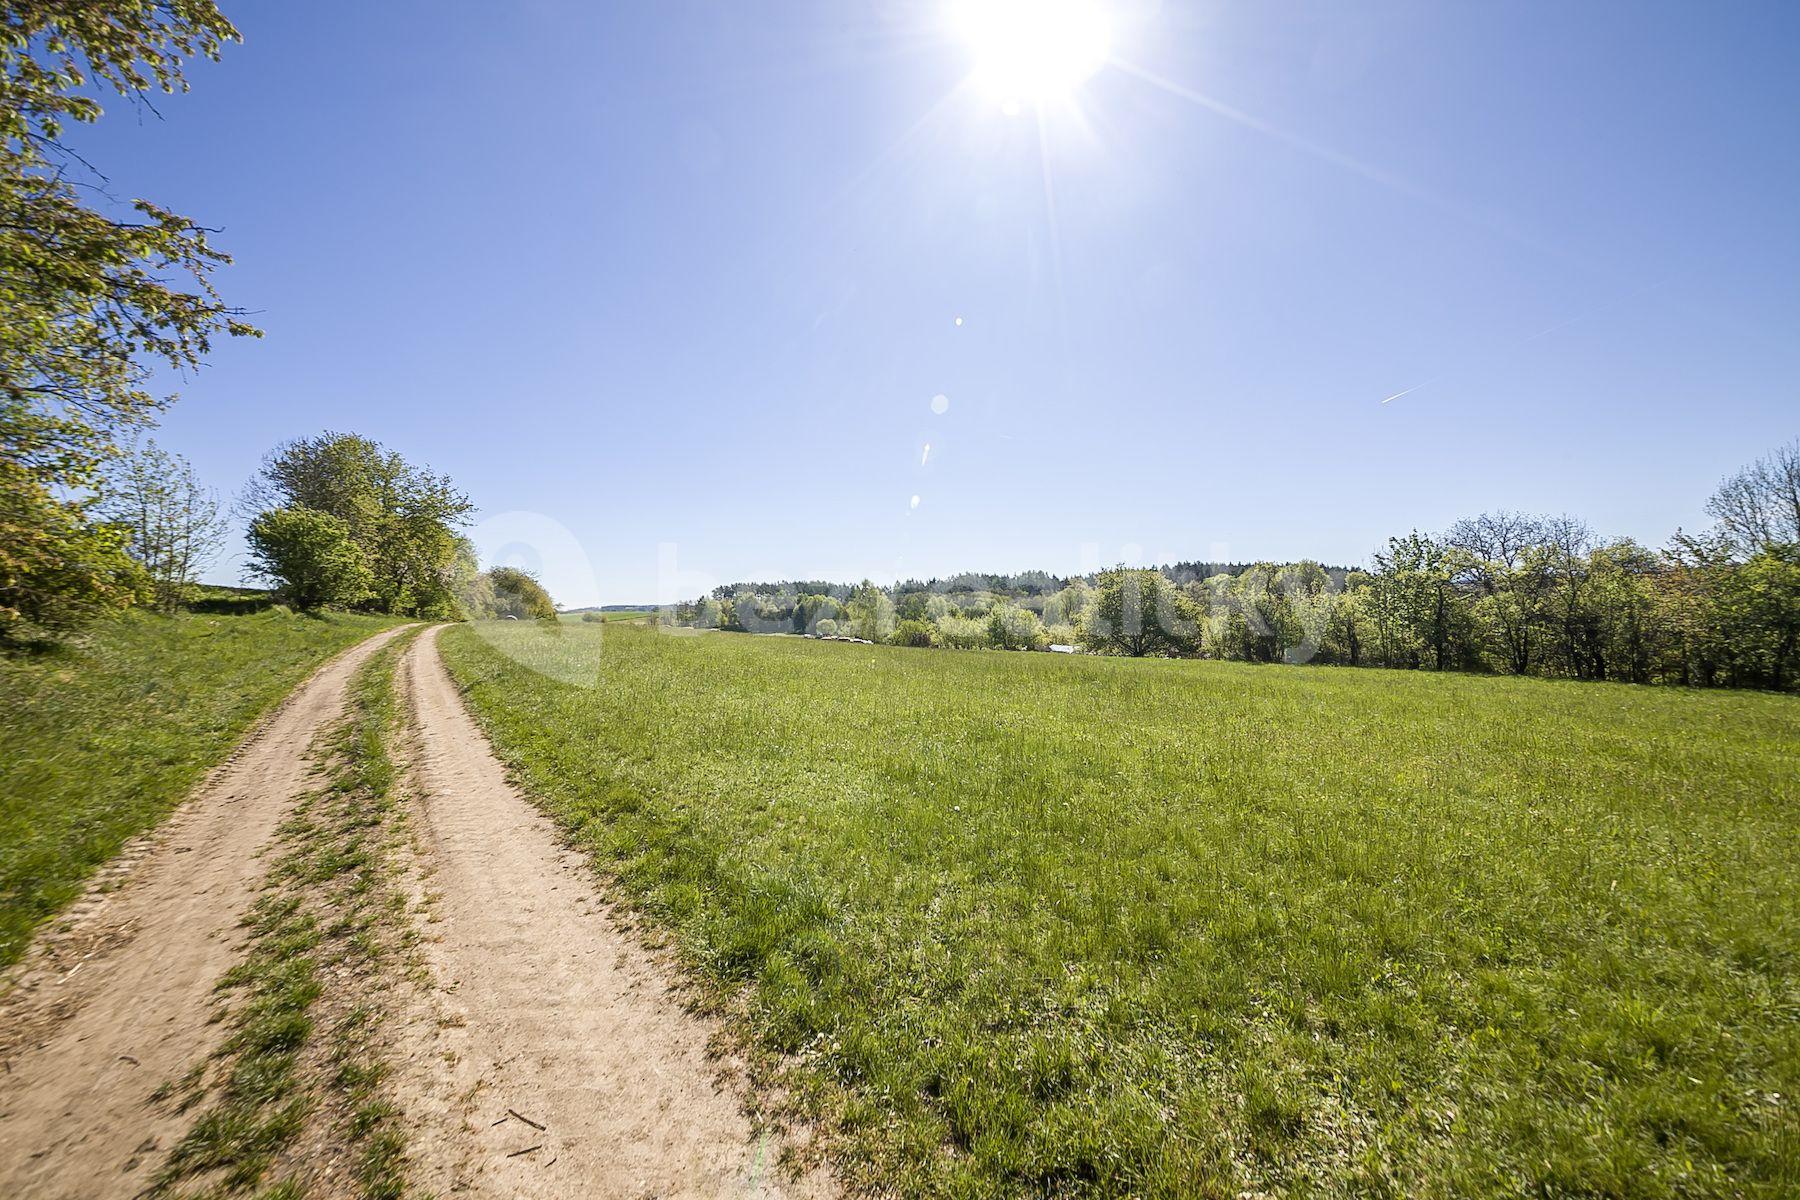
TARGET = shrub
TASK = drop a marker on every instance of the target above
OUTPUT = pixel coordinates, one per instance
(518, 594)
(592, 618)
(912, 633)
(309, 556)
(962, 633)
(57, 568)
(826, 627)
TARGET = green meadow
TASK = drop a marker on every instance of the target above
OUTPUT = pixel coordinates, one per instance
(595, 617)
(104, 736)
(1016, 924)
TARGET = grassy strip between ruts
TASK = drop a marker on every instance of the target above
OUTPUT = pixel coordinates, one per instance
(102, 739)
(295, 1090)
(1041, 926)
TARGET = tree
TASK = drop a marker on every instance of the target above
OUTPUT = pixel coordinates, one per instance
(1421, 616)
(1065, 607)
(962, 633)
(1695, 605)
(868, 613)
(912, 633)
(1767, 595)
(172, 522)
(1347, 634)
(1568, 545)
(911, 606)
(516, 593)
(91, 301)
(810, 609)
(1627, 639)
(1759, 506)
(1011, 627)
(1139, 612)
(1729, 600)
(57, 568)
(1509, 567)
(764, 611)
(1308, 601)
(308, 554)
(401, 518)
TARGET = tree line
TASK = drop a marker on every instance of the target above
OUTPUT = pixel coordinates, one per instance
(333, 521)
(1503, 592)
(93, 517)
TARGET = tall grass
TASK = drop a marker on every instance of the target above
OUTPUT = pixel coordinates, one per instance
(100, 740)
(1033, 925)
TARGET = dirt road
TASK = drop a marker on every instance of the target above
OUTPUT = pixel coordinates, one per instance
(106, 1010)
(543, 1052)
(544, 1008)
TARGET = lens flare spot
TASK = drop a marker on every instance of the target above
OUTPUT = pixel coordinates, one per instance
(915, 502)
(940, 404)
(925, 457)
(959, 322)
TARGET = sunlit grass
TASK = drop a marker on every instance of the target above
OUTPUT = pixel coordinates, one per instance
(1035, 925)
(100, 740)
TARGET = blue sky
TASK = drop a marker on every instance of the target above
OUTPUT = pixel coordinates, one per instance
(690, 274)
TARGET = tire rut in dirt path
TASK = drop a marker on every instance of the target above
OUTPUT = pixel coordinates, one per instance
(541, 1006)
(118, 999)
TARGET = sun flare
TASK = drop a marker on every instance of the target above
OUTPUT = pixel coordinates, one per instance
(1033, 50)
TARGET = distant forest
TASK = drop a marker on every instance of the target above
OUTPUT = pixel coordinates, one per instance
(1503, 592)
(606, 608)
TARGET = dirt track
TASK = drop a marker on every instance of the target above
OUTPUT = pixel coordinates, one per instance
(106, 1010)
(545, 1007)
(538, 1003)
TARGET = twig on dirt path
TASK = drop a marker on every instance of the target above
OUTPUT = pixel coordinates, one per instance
(526, 1150)
(127, 1058)
(513, 1112)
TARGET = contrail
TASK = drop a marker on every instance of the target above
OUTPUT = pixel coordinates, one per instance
(1415, 387)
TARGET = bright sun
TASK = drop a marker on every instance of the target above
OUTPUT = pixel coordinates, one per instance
(1033, 50)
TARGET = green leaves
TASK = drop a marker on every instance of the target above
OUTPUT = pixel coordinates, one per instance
(91, 302)
(398, 518)
(312, 554)
(49, 48)
(510, 592)
(1138, 613)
